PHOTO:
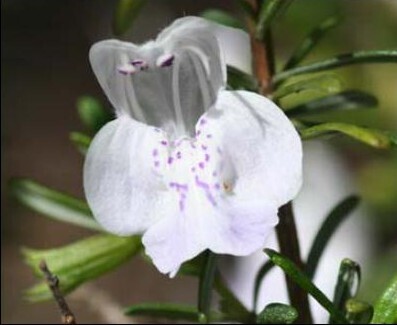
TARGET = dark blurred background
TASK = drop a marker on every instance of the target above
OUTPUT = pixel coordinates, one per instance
(44, 69)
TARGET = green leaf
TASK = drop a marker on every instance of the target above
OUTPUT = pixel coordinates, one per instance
(277, 313)
(206, 283)
(92, 113)
(304, 282)
(374, 138)
(164, 310)
(237, 79)
(346, 100)
(381, 56)
(327, 229)
(194, 266)
(386, 306)
(51, 203)
(358, 312)
(221, 17)
(263, 271)
(247, 7)
(231, 308)
(269, 11)
(125, 13)
(326, 84)
(348, 283)
(79, 262)
(81, 141)
(310, 42)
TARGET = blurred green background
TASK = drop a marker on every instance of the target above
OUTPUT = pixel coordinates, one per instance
(44, 69)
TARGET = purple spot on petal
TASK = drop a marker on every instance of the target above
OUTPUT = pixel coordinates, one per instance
(206, 188)
(193, 169)
(179, 155)
(209, 136)
(207, 157)
(169, 161)
(201, 165)
(164, 143)
(217, 186)
(181, 205)
(156, 163)
(200, 183)
(155, 152)
(198, 132)
(204, 147)
(203, 121)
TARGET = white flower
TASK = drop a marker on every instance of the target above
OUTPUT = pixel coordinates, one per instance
(186, 163)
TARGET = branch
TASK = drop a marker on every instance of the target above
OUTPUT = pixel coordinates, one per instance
(53, 284)
(260, 55)
(263, 65)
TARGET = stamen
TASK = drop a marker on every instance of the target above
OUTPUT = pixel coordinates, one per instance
(203, 80)
(165, 60)
(202, 56)
(126, 69)
(176, 97)
(132, 101)
(140, 64)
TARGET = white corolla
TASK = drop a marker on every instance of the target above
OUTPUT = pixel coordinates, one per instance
(186, 163)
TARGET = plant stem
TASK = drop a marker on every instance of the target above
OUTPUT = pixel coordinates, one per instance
(289, 246)
(53, 284)
(207, 279)
(263, 61)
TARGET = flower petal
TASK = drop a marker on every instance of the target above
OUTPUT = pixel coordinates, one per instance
(262, 144)
(120, 182)
(166, 83)
(234, 43)
(236, 228)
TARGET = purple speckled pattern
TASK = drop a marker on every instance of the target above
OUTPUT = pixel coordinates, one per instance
(191, 167)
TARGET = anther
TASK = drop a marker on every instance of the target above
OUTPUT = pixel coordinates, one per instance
(165, 60)
(140, 64)
(126, 69)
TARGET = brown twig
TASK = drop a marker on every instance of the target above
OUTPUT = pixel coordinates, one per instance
(263, 65)
(260, 59)
(53, 284)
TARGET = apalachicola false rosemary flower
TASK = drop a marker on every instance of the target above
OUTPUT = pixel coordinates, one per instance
(186, 163)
